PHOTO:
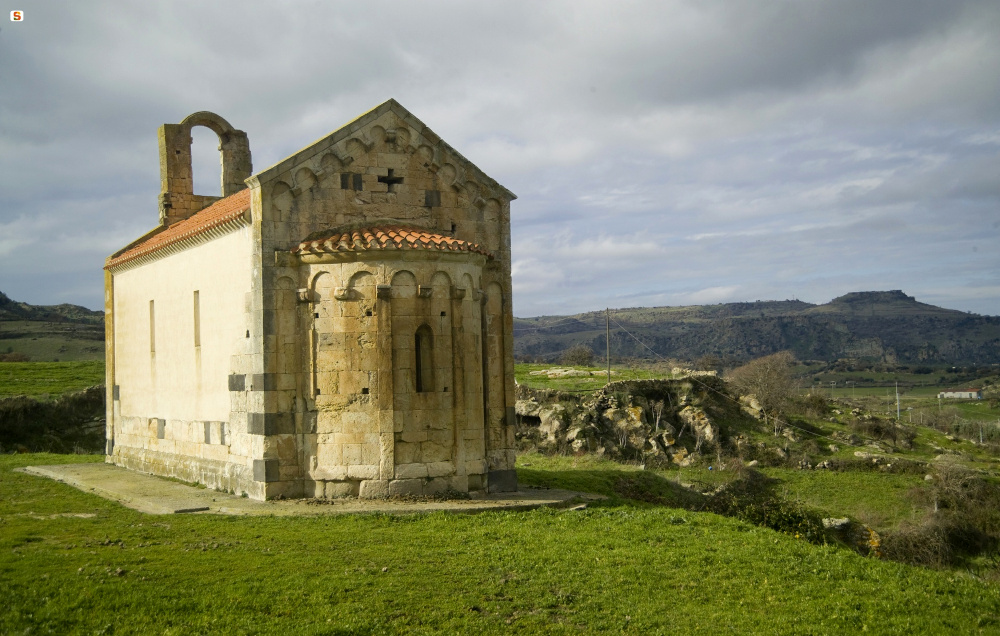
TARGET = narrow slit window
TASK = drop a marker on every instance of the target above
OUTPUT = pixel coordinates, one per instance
(423, 348)
(152, 328)
(197, 320)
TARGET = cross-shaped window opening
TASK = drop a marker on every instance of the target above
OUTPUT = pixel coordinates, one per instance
(390, 180)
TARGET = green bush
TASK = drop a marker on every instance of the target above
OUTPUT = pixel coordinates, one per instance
(752, 499)
(71, 423)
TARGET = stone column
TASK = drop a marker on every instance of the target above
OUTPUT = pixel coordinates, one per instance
(384, 390)
(459, 419)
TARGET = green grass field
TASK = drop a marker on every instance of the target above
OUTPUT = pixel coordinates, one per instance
(38, 379)
(597, 379)
(882, 501)
(71, 562)
(52, 341)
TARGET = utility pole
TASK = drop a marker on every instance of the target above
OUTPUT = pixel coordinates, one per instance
(897, 401)
(607, 339)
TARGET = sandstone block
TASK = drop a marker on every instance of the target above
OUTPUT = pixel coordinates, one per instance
(312, 488)
(336, 489)
(352, 454)
(374, 489)
(432, 452)
(362, 471)
(411, 471)
(407, 453)
(441, 437)
(403, 487)
(330, 473)
(459, 483)
(414, 436)
(440, 469)
(436, 485)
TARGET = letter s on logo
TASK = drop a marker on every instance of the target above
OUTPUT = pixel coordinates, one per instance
(16, 16)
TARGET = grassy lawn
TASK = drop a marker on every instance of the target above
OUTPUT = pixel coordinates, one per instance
(523, 374)
(71, 562)
(52, 341)
(37, 379)
(881, 500)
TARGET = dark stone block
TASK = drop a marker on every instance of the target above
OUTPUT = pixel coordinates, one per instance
(432, 198)
(263, 382)
(271, 424)
(265, 470)
(511, 417)
(116, 392)
(255, 423)
(161, 428)
(237, 382)
(269, 323)
(109, 446)
(502, 481)
(279, 424)
(208, 432)
(358, 182)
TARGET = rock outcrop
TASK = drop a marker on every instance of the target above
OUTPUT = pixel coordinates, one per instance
(646, 420)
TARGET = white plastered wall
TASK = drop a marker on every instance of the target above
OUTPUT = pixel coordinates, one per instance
(179, 381)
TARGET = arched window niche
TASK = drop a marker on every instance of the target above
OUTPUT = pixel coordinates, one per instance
(423, 349)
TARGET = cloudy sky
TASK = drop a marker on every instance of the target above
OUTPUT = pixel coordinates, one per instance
(663, 152)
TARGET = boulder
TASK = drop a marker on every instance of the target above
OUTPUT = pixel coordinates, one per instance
(751, 406)
(698, 420)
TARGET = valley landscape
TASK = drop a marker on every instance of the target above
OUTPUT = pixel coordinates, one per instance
(826, 517)
(500, 318)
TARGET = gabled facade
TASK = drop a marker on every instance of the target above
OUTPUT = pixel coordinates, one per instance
(340, 325)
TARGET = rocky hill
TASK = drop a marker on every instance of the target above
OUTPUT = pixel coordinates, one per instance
(49, 332)
(14, 310)
(886, 326)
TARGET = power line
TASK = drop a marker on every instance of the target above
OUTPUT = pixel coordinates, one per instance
(555, 324)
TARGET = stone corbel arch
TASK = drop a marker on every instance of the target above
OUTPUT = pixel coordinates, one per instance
(177, 198)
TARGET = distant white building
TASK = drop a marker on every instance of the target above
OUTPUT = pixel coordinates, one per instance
(968, 394)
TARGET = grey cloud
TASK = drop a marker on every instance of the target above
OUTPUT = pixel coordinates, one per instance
(662, 152)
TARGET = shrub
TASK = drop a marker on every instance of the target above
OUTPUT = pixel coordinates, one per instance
(73, 422)
(578, 355)
(815, 405)
(752, 499)
(918, 544)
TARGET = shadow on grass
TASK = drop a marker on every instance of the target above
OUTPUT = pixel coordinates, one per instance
(621, 487)
(751, 497)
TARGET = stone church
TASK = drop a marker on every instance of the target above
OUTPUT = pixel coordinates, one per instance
(338, 324)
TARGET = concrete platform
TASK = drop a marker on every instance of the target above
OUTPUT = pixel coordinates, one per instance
(159, 496)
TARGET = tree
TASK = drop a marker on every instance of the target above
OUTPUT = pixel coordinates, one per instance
(769, 379)
(708, 362)
(579, 355)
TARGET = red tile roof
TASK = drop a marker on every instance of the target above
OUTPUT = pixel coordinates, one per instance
(219, 213)
(387, 238)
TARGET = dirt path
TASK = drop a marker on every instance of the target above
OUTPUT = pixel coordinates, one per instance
(158, 496)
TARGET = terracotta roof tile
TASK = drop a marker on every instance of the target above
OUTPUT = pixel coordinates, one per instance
(387, 238)
(219, 213)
